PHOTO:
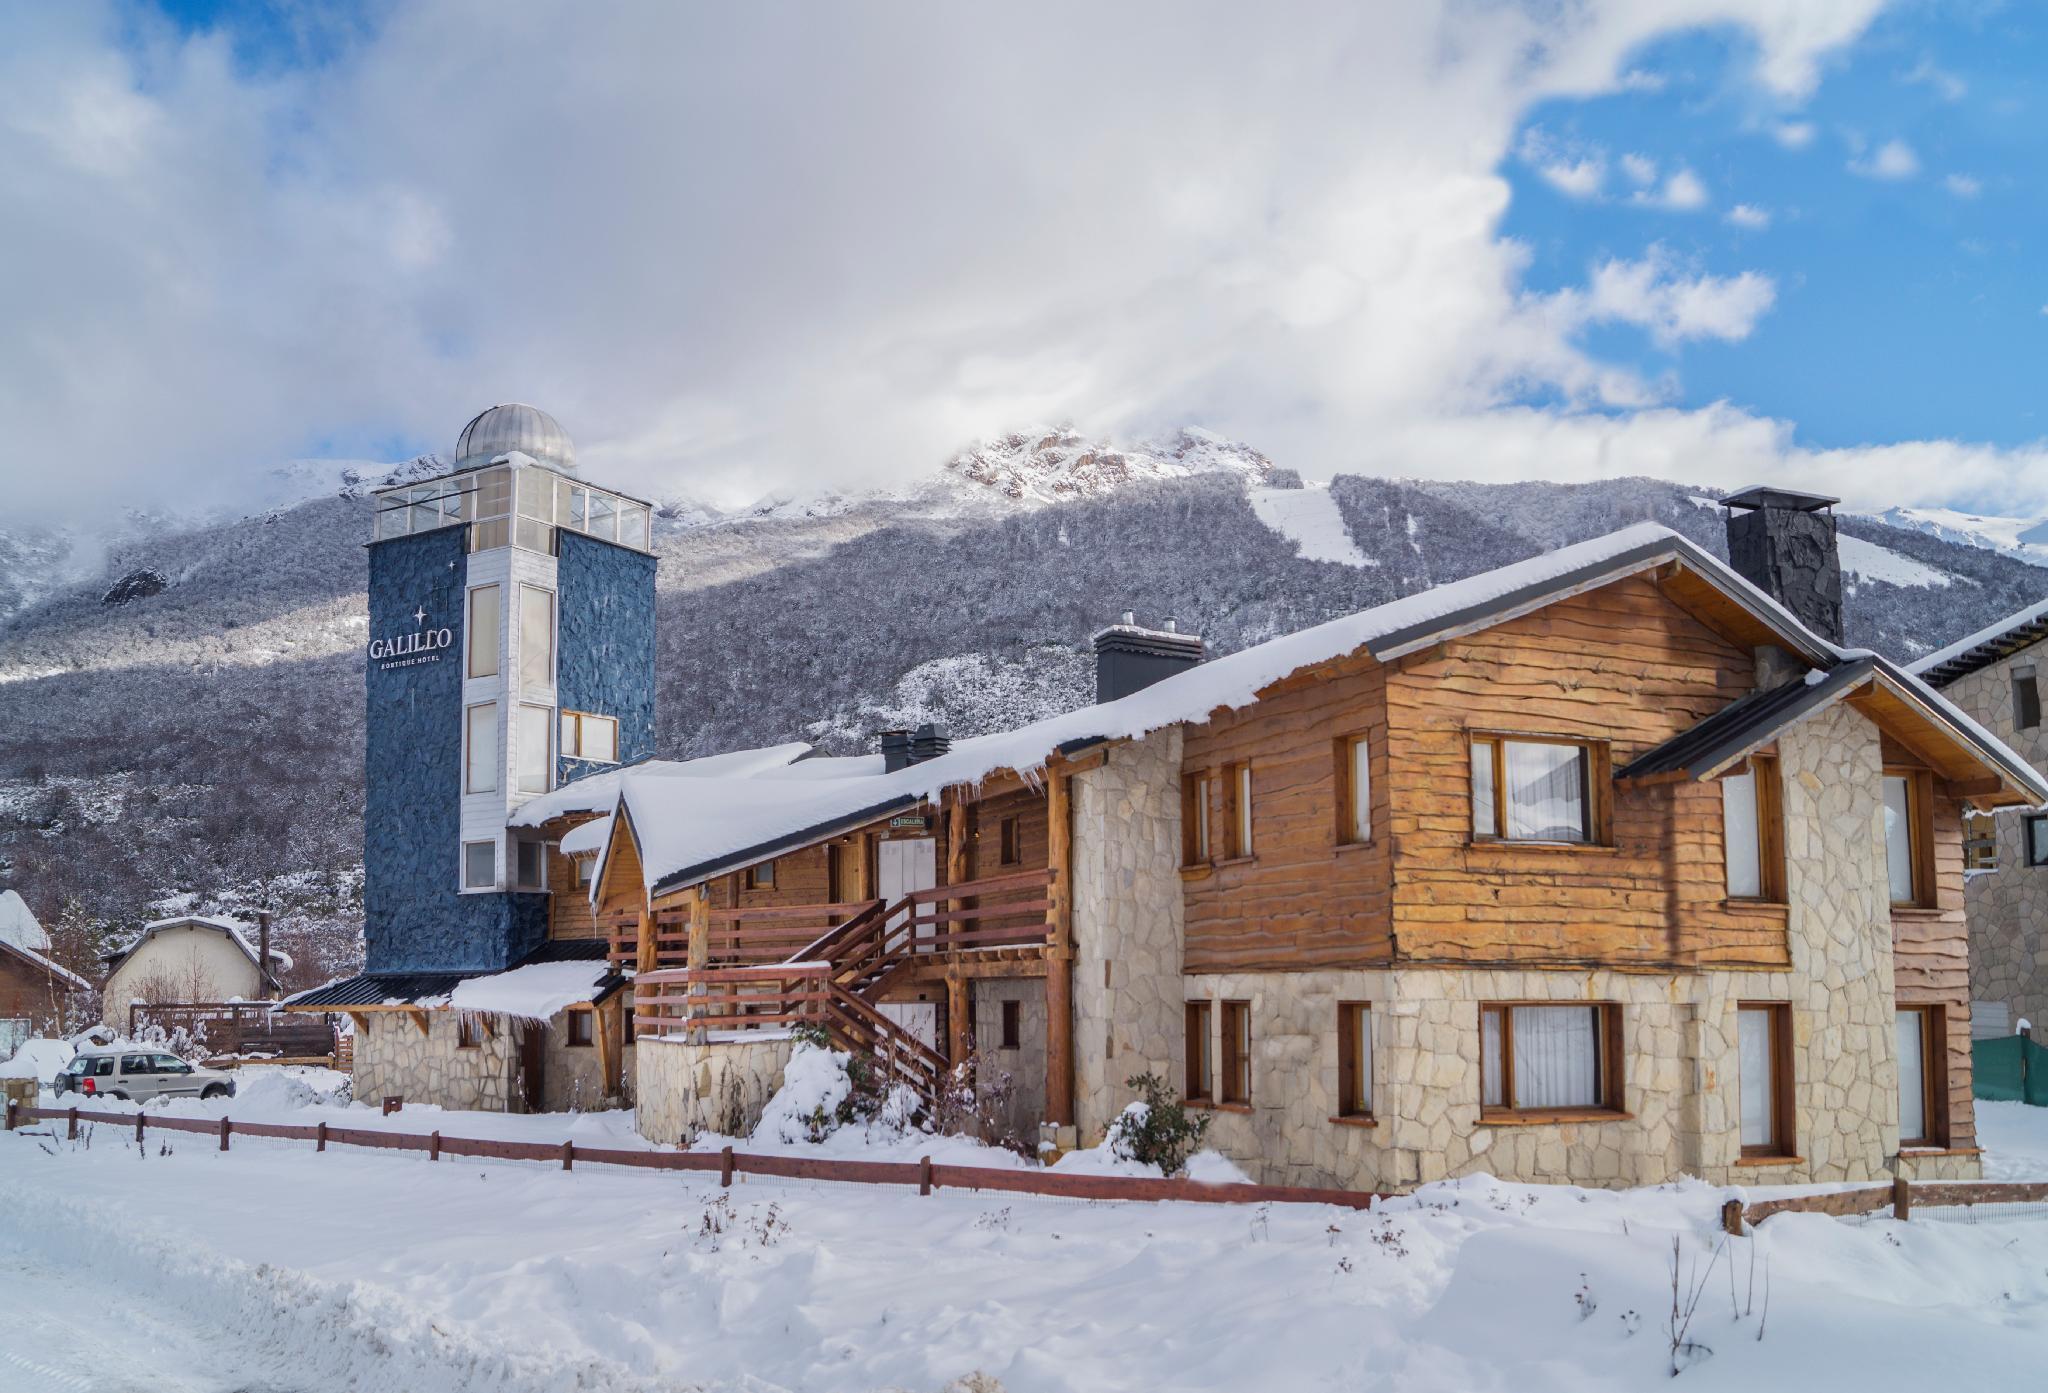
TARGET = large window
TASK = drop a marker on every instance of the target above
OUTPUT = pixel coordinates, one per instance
(1237, 1052)
(2026, 698)
(585, 736)
(1919, 1035)
(1354, 1059)
(1194, 820)
(1532, 790)
(479, 866)
(1763, 1046)
(1753, 832)
(1541, 1058)
(485, 621)
(1201, 1073)
(1354, 790)
(480, 749)
(535, 751)
(1907, 832)
(536, 639)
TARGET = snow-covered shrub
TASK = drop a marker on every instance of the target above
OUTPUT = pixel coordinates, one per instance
(1157, 1129)
(807, 1107)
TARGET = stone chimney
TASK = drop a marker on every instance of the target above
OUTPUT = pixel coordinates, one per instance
(1129, 658)
(1783, 542)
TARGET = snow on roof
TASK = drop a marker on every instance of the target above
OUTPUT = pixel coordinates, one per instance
(235, 929)
(599, 793)
(589, 838)
(18, 924)
(535, 992)
(36, 959)
(1988, 634)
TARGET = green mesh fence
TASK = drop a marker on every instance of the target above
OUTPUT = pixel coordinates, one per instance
(1998, 1069)
(2035, 1084)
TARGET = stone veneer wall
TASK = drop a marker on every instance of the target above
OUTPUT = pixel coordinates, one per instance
(683, 1089)
(393, 1057)
(572, 1078)
(1127, 911)
(1680, 1072)
(2008, 907)
(1025, 1065)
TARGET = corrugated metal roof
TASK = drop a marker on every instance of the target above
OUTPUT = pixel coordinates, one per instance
(379, 989)
(1741, 726)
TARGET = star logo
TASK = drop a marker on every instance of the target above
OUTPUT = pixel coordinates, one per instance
(419, 616)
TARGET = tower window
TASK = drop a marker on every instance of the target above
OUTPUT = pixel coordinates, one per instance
(480, 755)
(479, 866)
(485, 619)
(535, 752)
(536, 639)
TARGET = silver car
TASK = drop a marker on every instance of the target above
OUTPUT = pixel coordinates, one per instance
(138, 1075)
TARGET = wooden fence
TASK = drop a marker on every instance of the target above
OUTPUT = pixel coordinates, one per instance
(924, 1173)
(1901, 1197)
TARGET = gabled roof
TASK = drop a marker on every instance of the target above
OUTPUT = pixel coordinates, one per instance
(1985, 647)
(43, 965)
(692, 829)
(234, 929)
(1740, 728)
(18, 924)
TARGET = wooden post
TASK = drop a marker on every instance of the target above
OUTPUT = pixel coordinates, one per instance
(225, 1127)
(959, 1044)
(958, 839)
(138, 1126)
(700, 946)
(725, 1166)
(1059, 956)
(648, 956)
(72, 1133)
(14, 1113)
(568, 1155)
(924, 1175)
(601, 1032)
(1731, 1218)
(433, 1146)
(320, 1137)
(1902, 1197)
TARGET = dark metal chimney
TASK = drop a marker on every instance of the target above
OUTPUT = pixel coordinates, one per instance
(929, 742)
(895, 750)
(1783, 542)
(1129, 658)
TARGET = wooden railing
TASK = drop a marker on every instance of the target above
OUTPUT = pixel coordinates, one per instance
(1900, 1197)
(781, 933)
(1004, 911)
(235, 1028)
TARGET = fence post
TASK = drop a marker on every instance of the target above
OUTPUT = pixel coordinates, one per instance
(138, 1126)
(924, 1175)
(320, 1137)
(725, 1166)
(1902, 1197)
(568, 1155)
(71, 1134)
(433, 1146)
(13, 1113)
(225, 1127)
(1731, 1217)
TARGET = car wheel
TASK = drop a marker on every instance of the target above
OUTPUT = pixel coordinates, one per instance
(120, 1097)
(214, 1091)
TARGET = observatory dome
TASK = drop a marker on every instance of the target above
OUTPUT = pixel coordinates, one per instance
(515, 426)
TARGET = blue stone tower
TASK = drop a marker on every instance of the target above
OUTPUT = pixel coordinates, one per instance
(511, 650)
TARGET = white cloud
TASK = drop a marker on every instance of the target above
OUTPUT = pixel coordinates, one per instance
(1640, 80)
(1946, 84)
(1963, 185)
(1750, 216)
(1579, 180)
(742, 248)
(1794, 135)
(1892, 160)
(1683, 192)
(1640, 169)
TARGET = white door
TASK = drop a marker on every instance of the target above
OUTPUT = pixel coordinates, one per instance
(920, 1018)
(903, 866)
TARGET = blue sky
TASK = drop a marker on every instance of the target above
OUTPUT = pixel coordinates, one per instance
(1909, 296)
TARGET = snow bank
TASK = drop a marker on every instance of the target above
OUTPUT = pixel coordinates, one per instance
(806, 1107)
(41, 1060)
(536, 992)
(286, 1089)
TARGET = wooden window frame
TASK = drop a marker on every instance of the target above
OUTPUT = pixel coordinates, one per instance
(1770, 832)
(1234, 1081)
(1609, 1064)
(1784, 1145)
(582, 1022)
(1919, 834)
(756, 880)
(1354, 1023)
(1344, 751)
(1200, 1081)
(1597, 799)
(469, 1033)
(1933, 1076)
(1980, 853)
(572, 748)
(1012, 1025)
(1239, 810)
(1197, 821)
(1010, 841)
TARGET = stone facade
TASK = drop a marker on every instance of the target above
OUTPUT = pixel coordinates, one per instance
(393, 1057)
(683, 1089)
(2008, 907)
(1128, 938)
(1025, 1064)
(572, 1076)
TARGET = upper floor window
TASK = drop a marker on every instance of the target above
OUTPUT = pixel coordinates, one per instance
(535, 753)
(585, 736)
(1237, 796)
(1532, 790)
(761, 876)
(2026, 698)
(480, 752)
(485, 622)
(536, 639)
(1009, 850)
(1753, 831)
(1980, 841)
(1908, 835)
(1195, 798)
(1354, 790)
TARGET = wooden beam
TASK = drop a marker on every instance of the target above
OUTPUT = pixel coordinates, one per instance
(419, 1018)
(700, 942)
(1059, 974)
(601, 1031)
(959, 1044)
(490, 1025)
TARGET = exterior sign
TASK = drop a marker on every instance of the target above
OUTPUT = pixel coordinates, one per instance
(410, 650)
(912, 820)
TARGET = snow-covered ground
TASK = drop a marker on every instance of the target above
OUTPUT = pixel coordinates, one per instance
(1309, 517)
(376, 1270)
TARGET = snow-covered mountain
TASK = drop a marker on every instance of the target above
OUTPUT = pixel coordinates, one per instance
(180, 721)
(2023, 538)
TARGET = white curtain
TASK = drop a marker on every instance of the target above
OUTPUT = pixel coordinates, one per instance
(1482, 789)
(1490, 1091)
(1557, 1054)
(1364, 1060)
(1546, 792)
(1759, 1107)
(1739, 833)
(1361, 790)
(1898, 838)
(1912, 1076)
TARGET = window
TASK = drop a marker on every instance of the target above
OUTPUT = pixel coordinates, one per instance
(1009, 851)
(835, 873)
(1013, 1025)
(480, 760)
(579, 871)
(484, 625)
(1752, 826)
(1201, 1074)
(1532, 790)
(585, 736)
(535, 755)
(1354, 791)
(1194, 820)
(579, 1023)
(1541, 1058)
(626, 1022)
(1980, 841)
(1354, 1059)
(1906, 836)
(468, 1031)
(536, 639)
(762, 876)
(2036, 829)
(1237, 809)
(1763, 1046)
(1237, 1052)
(479, 866)
(1920, 1112)
(2026, 698)
(530, 865)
